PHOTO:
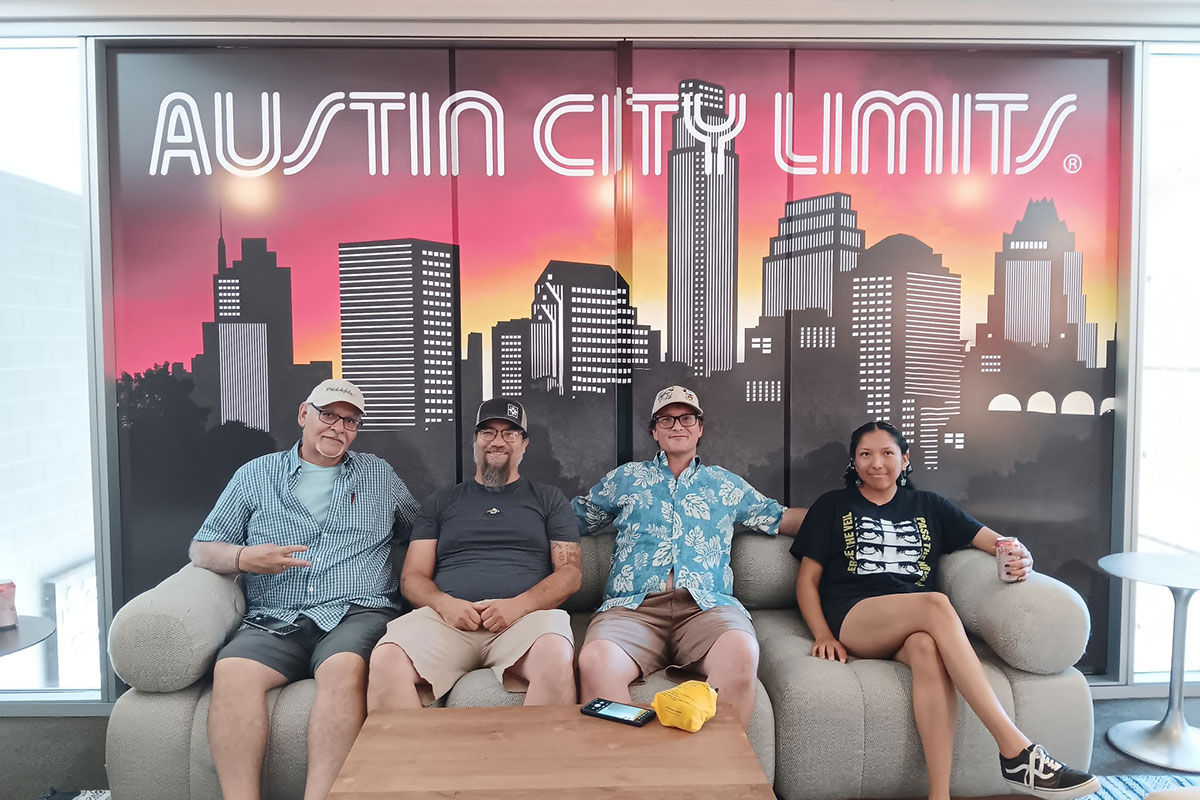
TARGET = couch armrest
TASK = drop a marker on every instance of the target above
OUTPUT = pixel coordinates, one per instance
(1040, 625)
(167, 638)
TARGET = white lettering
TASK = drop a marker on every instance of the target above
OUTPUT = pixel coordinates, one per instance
(179, 124)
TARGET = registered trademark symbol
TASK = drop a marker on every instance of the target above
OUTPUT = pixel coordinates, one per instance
(1072, 163)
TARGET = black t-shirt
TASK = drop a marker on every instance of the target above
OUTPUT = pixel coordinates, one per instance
(869, 550)
(494, 543)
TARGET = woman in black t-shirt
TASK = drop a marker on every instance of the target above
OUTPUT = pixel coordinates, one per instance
(867, 587)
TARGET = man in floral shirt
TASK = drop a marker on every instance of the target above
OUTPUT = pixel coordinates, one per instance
(669, 598)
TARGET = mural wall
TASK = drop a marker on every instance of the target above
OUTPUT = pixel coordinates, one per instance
(808, 238)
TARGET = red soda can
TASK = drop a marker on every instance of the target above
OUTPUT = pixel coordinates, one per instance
(1006, 549)
(8, 604)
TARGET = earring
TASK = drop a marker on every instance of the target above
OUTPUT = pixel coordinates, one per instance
(858, 480)
(903, 480)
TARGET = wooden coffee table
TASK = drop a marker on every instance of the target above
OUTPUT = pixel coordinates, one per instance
(512, 753)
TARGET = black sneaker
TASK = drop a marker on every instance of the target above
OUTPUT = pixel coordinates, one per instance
(1033, 771)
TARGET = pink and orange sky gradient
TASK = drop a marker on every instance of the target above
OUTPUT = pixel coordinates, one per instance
(508, 228)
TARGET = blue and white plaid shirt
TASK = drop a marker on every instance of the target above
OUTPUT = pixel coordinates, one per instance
(369, 508)
(664, 524)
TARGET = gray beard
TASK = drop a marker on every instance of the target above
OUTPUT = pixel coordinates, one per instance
(494, 477)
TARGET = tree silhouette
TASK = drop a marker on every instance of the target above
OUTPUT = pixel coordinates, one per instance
(157, 397)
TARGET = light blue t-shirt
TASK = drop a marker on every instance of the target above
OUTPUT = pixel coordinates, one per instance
(314, 488)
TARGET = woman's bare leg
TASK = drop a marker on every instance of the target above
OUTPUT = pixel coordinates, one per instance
(935, 708)
(879, 626)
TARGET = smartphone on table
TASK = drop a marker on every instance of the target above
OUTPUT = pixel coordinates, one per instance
(618, 712)
(273, 625)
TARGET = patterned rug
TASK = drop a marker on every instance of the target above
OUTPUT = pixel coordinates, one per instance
(1135, 787)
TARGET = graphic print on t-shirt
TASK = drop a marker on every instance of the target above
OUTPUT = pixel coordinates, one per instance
(884, 545)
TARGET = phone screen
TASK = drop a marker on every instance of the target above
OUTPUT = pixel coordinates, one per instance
(622, 711)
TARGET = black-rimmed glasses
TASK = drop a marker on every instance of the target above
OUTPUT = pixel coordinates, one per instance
(667, 421)
(509, 435)
(330, 418)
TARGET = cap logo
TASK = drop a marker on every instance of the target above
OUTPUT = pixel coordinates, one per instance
(341, 389)
(513, 411)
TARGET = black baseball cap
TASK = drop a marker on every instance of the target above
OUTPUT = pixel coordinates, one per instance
(503, 408)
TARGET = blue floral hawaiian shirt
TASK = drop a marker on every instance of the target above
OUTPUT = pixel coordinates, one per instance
(665, 524)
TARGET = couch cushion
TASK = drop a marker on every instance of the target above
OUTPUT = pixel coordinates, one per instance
(597, 552)
(764, 572)
(1039, 625)
(167, 638)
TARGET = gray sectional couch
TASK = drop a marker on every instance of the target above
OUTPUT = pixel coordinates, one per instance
(822, 730)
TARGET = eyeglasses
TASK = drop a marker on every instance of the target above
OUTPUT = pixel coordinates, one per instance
(509, 435)
(330, 418)
(666, 421)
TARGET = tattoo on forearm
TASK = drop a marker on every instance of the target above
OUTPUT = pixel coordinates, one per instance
(566, 554)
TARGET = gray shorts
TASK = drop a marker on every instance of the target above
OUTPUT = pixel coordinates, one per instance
(297, 655)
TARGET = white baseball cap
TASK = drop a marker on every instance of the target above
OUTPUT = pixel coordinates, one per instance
(676, 394)
(337, 391)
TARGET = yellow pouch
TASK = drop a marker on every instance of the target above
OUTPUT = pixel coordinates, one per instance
(687, 706)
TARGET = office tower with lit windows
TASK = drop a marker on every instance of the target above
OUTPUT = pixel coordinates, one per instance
(583, 332)
(818, 237)
(510, 358)
(905, 315)
(1038, 298)
(702, 234)
(399, 328)
(244, 368)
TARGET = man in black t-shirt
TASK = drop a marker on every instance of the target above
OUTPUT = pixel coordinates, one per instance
(489, 562)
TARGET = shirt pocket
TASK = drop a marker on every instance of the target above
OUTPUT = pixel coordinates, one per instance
(367, 516)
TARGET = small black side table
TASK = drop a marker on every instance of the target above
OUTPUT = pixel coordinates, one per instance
(29, 631)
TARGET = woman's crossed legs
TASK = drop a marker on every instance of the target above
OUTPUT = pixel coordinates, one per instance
(924, 631)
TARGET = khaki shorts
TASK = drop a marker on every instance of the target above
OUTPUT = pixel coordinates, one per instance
(667, 630)
(442, 654)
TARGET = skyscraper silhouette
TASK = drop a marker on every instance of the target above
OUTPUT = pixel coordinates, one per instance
(399, 316)
(1038, 299)
(248, 345)
(702, 237)
(818, 236)
(510, 358)
(1036, 351)
(906, 309)
(583, 336)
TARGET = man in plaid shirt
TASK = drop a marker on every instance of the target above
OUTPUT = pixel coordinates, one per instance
(311, 530)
